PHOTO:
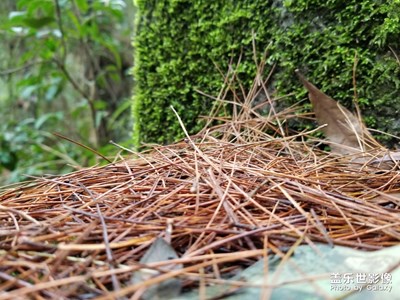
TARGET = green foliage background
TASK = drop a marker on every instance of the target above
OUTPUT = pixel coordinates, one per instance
(64, 67)
(179, 46)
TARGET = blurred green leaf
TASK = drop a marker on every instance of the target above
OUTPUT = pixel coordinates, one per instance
(39, 8)
(100, 104)
(37, 23)
(28, 91)
(8, 159)
(46, 118)
(82, 5)
(123, 107)
(77, 29)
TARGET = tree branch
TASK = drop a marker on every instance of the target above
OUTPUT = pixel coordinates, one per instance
(18, 69)
(61, 28)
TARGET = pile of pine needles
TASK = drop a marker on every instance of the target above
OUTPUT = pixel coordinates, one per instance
(236, 192)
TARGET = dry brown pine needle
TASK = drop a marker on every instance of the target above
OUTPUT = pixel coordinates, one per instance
(222, 199)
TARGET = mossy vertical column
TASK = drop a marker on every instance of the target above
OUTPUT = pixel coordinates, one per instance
(177, 48)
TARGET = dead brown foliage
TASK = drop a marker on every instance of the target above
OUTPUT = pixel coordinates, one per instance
(346, 133)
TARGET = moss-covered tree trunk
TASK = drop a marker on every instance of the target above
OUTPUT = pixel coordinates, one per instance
(180, 45)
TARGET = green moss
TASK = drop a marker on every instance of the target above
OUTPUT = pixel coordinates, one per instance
(180, 45)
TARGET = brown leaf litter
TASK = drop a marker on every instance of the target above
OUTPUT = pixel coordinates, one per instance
(233, 194)
(346, 133)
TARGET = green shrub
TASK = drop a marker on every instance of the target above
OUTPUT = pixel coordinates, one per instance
(63, 68)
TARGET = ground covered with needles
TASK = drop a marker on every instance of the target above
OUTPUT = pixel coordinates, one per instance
(226, 197)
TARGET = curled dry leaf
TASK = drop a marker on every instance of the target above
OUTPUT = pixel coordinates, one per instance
(344, 131)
